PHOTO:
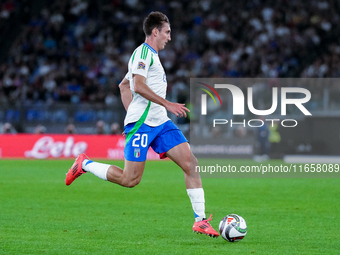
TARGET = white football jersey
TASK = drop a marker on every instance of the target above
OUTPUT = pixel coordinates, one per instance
(145, 61)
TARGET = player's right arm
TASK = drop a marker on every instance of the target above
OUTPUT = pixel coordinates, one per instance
(144, 90)
(125, 93)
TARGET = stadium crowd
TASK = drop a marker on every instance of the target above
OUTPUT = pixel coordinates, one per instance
(77, 51)
(7, 8)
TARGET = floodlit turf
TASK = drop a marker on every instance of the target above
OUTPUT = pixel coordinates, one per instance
(39, 214)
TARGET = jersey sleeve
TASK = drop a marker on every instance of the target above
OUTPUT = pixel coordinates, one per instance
(141, 61)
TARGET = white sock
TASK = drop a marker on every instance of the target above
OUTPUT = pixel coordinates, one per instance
(198, 203)
(98, 169)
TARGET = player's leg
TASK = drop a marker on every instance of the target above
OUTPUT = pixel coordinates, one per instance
(129, 177)
(135, 152)
(183, 157)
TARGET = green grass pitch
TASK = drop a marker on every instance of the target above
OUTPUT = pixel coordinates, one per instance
(39, 214)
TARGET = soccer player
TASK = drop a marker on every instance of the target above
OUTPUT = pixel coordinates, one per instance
(146, 124)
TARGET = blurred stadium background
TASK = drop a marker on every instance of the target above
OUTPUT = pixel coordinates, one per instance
(62, 61)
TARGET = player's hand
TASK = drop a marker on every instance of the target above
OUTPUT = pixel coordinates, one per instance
(178, 109)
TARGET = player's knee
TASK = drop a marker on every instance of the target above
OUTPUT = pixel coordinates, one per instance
(186, 166)
(193, 160)
(189, 164)
(132, 183)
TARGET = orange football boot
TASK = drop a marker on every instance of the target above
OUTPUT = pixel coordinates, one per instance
(76, 169)
(204, 227)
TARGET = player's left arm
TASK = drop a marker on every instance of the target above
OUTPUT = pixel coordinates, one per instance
(125, 93)
(145, 91)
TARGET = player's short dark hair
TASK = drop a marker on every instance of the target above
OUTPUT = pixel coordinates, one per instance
(154, 20)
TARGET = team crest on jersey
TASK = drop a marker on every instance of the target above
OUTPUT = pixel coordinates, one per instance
(141, 65)
(137, 152)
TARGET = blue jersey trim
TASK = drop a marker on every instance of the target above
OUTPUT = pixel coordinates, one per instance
(152, 50)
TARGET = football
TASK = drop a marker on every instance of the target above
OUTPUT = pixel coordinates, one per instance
(233, 228)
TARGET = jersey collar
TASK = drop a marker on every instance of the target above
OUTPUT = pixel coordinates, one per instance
(152, 50)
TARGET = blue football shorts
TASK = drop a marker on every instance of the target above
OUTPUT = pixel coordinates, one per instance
(161, 139)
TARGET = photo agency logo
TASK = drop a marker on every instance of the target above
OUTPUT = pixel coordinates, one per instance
(298, 97)
(204, 97)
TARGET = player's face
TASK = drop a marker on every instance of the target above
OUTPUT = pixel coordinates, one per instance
(164, 36)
